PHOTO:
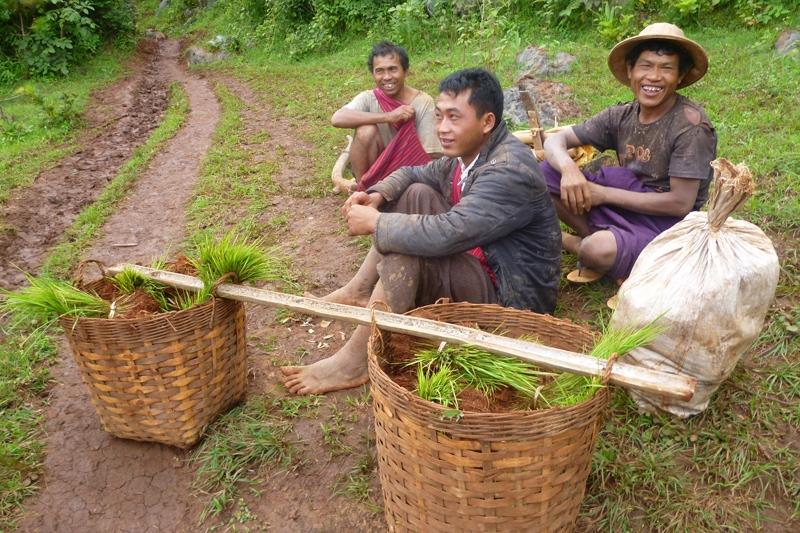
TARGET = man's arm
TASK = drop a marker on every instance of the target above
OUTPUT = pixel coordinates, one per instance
(498, 202)
(351, 118)
(677, 202)
(575, 191)
(361, 209)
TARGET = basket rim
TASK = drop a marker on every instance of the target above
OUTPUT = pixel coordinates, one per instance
(602, 395)
(154, 317)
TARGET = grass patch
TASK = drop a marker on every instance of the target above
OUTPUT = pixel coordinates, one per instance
(237, 446)
(85, 227)
(24, 377)
(29, 141)
(234, 191)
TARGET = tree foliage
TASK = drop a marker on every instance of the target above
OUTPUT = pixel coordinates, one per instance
(46, 37)
(299, 27)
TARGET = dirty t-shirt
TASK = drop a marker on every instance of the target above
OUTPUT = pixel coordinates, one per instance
(681, 144)
(424, 117)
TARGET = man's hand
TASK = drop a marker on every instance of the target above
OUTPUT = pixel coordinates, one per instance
(401, 114)
(373, 199)
(362, 219)
(576, 192)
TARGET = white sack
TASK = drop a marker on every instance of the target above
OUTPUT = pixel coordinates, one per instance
(713, 288)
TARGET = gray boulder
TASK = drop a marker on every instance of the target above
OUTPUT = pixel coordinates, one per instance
(513, 110)
(164, 4)
(534, 63)
(197, 56)
(787, 41)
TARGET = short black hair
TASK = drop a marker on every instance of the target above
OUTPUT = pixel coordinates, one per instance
(386, 48)
(486, 95)
(661, 47)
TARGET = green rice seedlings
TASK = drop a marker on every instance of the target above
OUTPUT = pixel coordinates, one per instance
(231, 255)
(129, 280)
(571, 389)
(182, 299)
(46, 299)
(482, 370)
(440, 385)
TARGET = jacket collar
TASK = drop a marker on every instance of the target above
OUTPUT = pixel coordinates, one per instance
(496, 137)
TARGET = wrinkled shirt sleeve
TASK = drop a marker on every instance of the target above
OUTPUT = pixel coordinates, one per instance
(487, 213)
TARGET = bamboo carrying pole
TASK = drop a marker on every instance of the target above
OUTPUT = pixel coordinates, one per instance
(621, 374)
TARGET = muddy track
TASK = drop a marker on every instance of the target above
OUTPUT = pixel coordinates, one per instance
(92, 481)
(120, 119)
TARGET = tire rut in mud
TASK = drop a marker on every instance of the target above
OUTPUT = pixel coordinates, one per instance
(35, 217)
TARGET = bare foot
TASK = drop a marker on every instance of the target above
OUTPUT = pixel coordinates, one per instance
(570, 242)
(345, 369)
(343, 296)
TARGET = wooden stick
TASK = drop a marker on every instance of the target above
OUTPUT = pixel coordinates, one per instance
(622, 374)
(337, 174)
(533, 118)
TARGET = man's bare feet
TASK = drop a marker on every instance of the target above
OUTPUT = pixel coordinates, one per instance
(344, 296)
(345, 369)
(571, 243)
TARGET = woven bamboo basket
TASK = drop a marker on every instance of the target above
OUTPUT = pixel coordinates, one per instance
(517, 471)
(163, 378)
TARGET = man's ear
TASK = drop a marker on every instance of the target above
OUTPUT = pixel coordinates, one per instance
(630, 69)
(488, 120)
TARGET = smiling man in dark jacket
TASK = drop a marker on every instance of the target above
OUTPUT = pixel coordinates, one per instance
(477, 225)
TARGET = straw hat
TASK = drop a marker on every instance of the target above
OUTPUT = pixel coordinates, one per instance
(666, 32)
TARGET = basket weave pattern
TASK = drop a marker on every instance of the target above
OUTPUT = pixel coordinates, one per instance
(163, 378)
(518, 471)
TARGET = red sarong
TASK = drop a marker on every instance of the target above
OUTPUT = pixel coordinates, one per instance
(404, 150)
(477, 251)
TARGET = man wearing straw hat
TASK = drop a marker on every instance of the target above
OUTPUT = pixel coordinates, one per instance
(664, 144)
(476, 225)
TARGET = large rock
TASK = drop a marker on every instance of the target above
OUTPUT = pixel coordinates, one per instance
(787, 42)
(553, 102)
(197, 56)
(533, 62)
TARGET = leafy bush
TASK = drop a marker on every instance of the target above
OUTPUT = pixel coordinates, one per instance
(47, 37)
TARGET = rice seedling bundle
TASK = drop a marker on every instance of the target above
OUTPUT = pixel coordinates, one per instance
(445, 372)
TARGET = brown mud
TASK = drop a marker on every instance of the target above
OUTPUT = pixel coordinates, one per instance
(120, 118)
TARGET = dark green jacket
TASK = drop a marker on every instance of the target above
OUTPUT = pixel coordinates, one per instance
(505, 209)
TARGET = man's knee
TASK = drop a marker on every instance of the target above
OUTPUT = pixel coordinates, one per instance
(598, 250)
(420, 199)
(366, 135)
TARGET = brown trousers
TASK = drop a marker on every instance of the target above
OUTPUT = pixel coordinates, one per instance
(412, 281)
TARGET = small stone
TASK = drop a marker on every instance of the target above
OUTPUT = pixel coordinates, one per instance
(788, 41)
(692, 438)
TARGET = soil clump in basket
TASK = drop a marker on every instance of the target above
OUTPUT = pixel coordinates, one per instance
(401, 348)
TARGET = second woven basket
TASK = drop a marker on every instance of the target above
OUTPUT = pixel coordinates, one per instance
(518, 471)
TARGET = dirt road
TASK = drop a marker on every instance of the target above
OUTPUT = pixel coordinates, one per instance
(94, 482)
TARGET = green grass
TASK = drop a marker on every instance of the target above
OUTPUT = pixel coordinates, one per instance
(234, 190)
(86, 225)
(29, 143)
(24, 378)
(236, 448)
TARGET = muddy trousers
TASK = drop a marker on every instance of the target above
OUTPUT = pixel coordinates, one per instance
(412, 281)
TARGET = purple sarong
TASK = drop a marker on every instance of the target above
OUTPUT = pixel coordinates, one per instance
(632, 231)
